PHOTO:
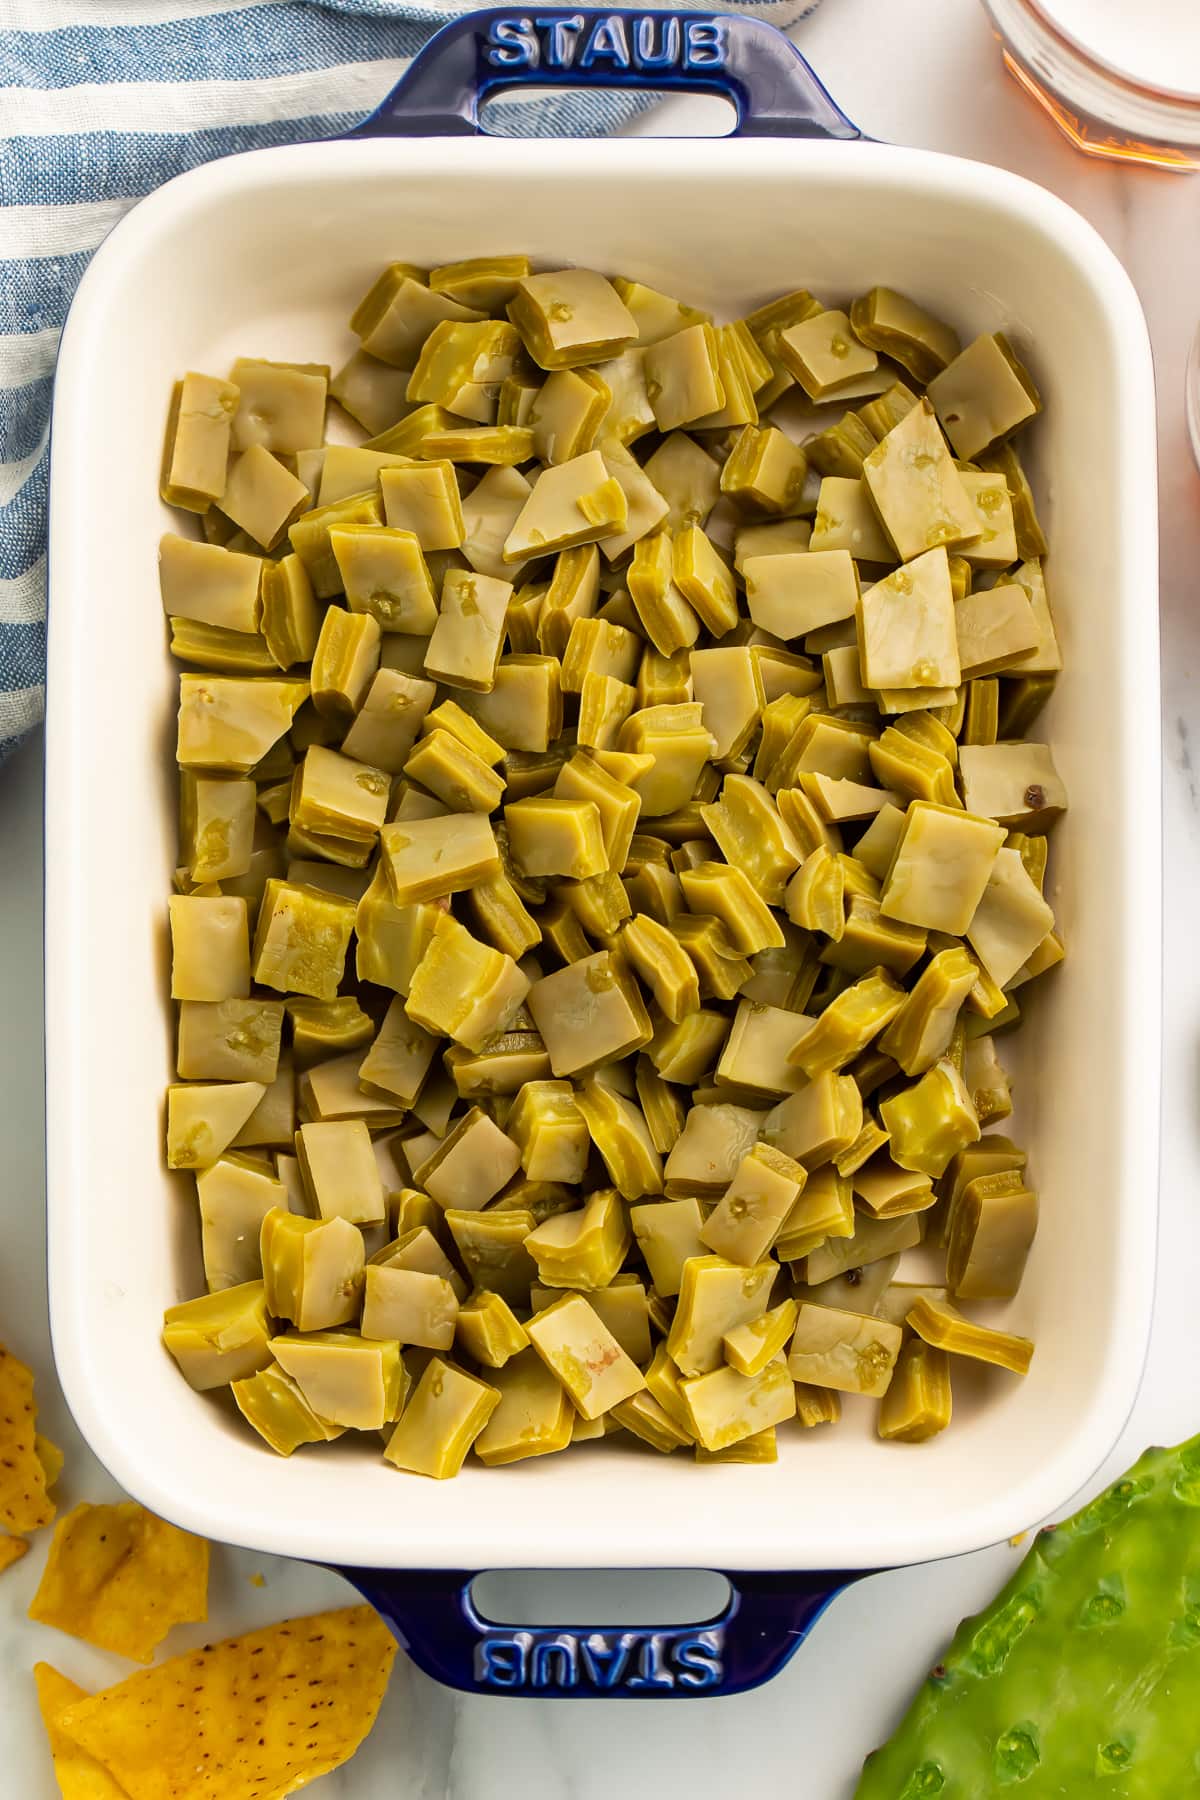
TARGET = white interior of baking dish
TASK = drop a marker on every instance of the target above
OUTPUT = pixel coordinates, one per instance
(266, 255)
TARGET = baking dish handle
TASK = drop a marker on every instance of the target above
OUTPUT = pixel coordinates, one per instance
(434, 1615)
(771, 87)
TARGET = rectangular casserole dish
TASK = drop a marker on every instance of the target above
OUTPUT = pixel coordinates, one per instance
(266, 254)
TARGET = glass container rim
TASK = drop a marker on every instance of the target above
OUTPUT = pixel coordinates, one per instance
(1069, 69)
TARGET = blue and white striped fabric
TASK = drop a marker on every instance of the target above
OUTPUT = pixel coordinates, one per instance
(103, 100)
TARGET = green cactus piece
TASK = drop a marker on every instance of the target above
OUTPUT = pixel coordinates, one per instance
(1083, 1675)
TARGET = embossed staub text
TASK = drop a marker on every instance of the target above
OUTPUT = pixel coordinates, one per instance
(642, 43)
(601, 1661)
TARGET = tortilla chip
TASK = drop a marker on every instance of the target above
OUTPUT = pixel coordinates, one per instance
(24, 1503)
(79, 1776)
(119, 1578)
(11, 1550)
(50, 1457)
(253, 1718)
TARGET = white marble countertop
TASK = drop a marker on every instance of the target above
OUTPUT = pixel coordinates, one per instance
(921, 72)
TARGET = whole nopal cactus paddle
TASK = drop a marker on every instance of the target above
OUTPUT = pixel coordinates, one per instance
(1083, 1676)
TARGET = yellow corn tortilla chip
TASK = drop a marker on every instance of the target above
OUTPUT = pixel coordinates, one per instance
(253, 1718)
(11, 1550)
(50, 1457)
(120, 1578)
(24, 1502)
(79, 1776)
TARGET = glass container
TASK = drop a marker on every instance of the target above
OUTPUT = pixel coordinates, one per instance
(1120, 78)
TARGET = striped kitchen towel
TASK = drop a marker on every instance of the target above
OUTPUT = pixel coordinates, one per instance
(103, 100)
